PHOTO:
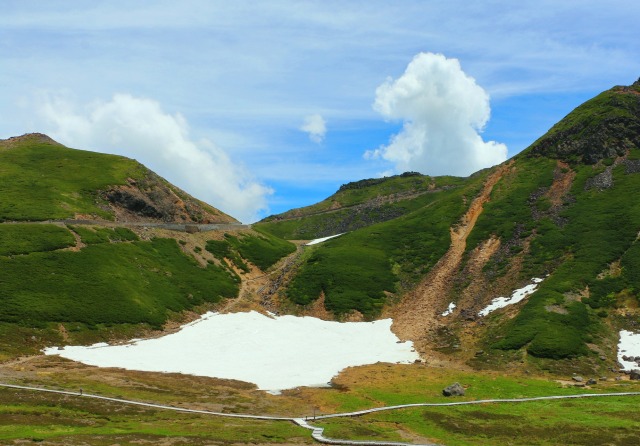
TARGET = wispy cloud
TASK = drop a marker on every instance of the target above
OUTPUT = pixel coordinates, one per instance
(315, 126)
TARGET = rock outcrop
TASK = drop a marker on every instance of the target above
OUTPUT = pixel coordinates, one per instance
(454, 389)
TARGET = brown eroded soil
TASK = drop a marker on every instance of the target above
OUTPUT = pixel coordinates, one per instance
(417, 315)
(562, 181)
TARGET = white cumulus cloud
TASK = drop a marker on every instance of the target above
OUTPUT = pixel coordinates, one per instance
(315, 126)
(139, 128)
(443, 113)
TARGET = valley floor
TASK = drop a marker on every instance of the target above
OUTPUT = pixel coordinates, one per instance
(68, 419)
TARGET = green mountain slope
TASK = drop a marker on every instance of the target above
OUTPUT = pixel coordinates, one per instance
(65, 279)
(357, 270)
(565, 210)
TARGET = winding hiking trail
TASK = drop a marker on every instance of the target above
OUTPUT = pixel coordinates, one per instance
(317, 432)
(417, 314)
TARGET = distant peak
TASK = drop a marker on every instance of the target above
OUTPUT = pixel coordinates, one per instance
(606, 126)
(30, 137)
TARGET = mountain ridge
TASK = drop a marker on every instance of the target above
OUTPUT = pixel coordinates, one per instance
(122, 190)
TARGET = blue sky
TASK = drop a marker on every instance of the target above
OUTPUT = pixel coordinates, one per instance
(259, 107)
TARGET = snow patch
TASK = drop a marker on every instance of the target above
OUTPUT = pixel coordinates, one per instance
(275, 353)
(628, 346)
(516, 296)
(323, 239)
(448, 311)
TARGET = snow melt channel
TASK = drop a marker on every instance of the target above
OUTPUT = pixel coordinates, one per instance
(323, 239)
(274, 353)
(516, 296)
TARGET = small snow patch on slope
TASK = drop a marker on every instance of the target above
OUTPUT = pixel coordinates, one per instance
(517, 296)
(448, 311)
(323, 239)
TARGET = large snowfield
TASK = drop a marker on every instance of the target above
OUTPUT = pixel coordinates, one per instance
(275, 353)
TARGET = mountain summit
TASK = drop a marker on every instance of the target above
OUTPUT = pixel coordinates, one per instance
(43, 180)
(603, 127)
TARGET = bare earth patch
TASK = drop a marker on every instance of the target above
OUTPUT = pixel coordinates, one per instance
(417, 315)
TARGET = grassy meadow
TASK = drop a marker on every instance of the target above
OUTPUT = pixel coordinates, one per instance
(16, 239)
(53, 419)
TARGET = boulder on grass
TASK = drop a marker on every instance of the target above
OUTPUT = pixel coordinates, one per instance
(453, 390)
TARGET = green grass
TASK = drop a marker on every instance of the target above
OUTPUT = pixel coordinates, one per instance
(136, 282)
(72, 420)
(40, 181)
(32, 417)
(26, 238)
(222, 249)
(261, 249)
(507, 210)
(591, 114)
(589, 421)
(93, 235)
(602, 127)
(606, 421)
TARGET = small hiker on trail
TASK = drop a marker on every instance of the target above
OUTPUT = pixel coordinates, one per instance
(80, 390)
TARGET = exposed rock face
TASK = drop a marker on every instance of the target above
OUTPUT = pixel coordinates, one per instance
(133, 201)
(153, 199)
(601, 181)
(372, 181)
(454, 389)
(632, 166)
